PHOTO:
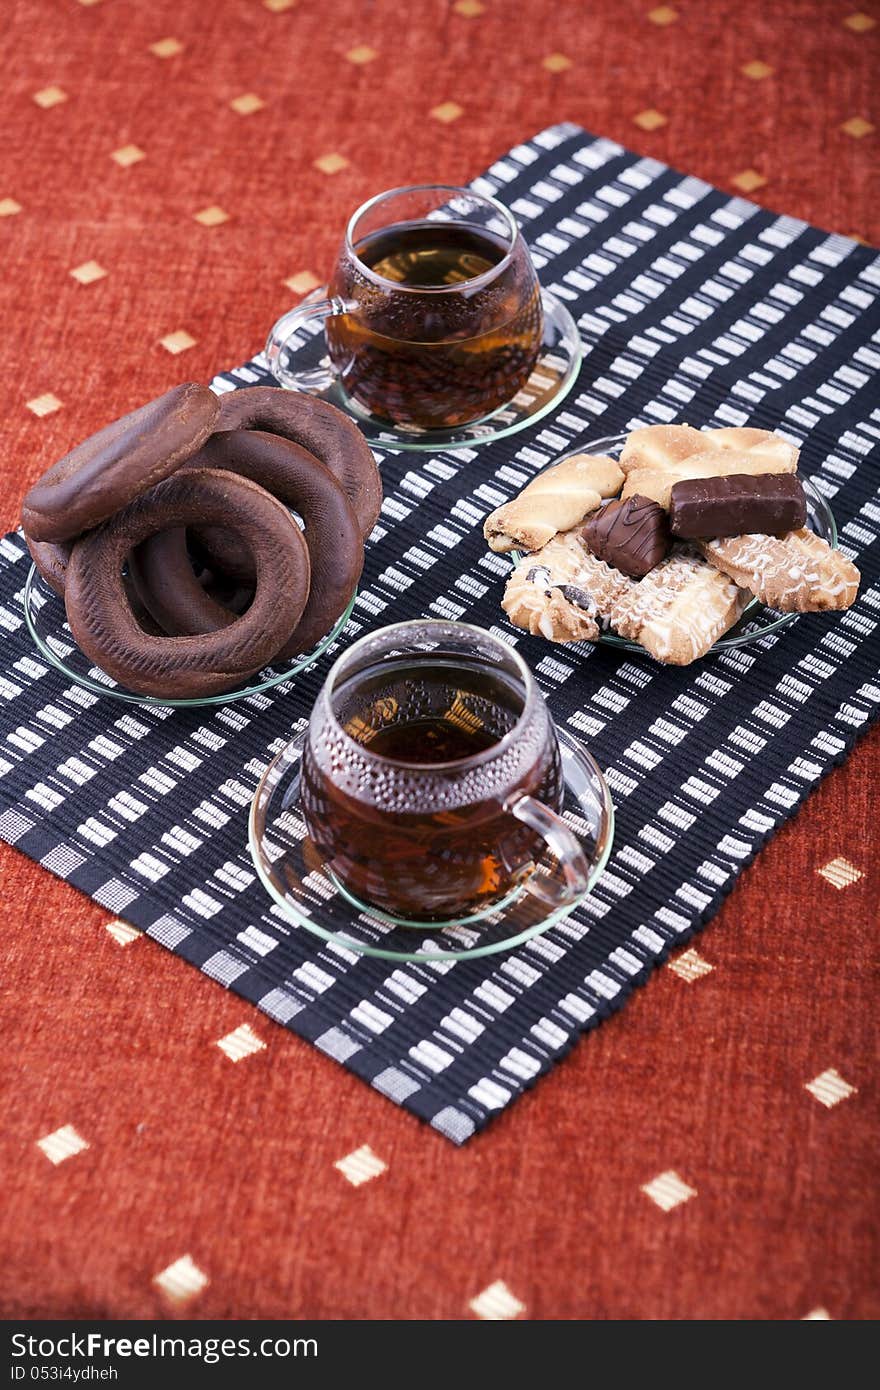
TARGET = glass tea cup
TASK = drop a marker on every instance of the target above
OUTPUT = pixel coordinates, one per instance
(432, 783)
(433, 315)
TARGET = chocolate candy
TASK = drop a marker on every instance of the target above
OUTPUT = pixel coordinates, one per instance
(769, 504)
(632, 535)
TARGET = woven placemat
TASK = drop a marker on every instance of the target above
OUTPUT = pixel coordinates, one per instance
(692, 305)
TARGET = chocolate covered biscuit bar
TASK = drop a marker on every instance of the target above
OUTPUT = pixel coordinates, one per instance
(737, 505)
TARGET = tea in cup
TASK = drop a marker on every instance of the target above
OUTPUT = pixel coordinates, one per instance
(432, 779)
(433, 313)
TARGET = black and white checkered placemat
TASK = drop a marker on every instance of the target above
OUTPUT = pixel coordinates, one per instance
(692, 305)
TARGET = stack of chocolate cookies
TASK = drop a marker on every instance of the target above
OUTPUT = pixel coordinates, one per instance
(200, 539)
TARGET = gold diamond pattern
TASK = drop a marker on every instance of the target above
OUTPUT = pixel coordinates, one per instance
(447, 112)
(362, 54)
(840, 873)
(123, 933)
(331, 163)
(166, 48)
(61, 1144)
(556, 62)
(360, 1166)
(668, 1190)
(182, 1280)
(650, 119)
(690, 966)
(179, 341)
(757, 70)
(859, 22)
(9, 207)
(247, 104)
(278, 6)
(496, 1303)
(302, 282)
(748, 181)
(663, 15)
(469, 8)
(829, 1088)
(240, 1043)
(48, 97)
(46, 404)
(857, 127)
(88, 272)
(127, 155)
(212, 216)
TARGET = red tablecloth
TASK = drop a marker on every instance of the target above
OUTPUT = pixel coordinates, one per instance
(173, 176)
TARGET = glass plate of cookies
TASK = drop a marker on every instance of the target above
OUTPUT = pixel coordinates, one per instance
(670, 542)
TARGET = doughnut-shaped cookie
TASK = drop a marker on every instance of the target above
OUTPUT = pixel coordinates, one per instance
(222, 551)
(51, 559)
(318, 427)
(154, 567)
(119, 463)
(332, 535)
(101, 617)
(181, 619)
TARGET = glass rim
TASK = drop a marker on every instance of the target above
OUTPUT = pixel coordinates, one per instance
(530, 688)
(476, 282)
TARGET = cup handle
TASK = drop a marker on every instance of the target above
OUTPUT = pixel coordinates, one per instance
(312, 378)
(562, 844)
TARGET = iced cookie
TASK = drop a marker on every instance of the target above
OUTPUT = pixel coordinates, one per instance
(657, 447)
(563, 592)
(794, 573)
(679, 610)
(657, 483)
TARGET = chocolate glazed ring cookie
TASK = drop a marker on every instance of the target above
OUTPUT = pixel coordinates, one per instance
(318, 427)
(51, 559)
(332, 535)
(101, 617)
(119, 463)
(221, 550)
(170, 591)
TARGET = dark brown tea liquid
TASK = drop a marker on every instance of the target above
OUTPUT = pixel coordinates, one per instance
(429, 712)
(427, 359)
(419, 831)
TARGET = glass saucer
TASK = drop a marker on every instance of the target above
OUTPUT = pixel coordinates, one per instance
(292, 873)
(553, 377)
(47, 624)
(756, 620)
